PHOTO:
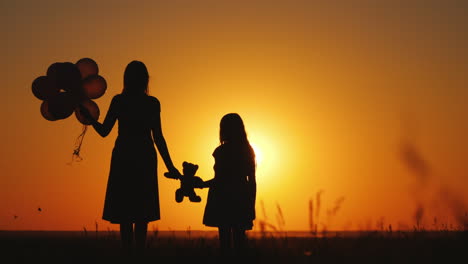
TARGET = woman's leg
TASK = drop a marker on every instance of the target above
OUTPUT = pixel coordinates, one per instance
(141, 229)
(126, 235)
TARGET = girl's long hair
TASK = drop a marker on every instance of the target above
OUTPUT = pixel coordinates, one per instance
(136, 78)
(232, 129)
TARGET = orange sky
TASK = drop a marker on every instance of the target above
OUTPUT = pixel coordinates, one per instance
(328, 91)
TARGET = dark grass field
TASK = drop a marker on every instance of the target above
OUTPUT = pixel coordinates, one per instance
(175, 247)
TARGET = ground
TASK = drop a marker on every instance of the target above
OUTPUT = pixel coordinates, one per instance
(365, 247)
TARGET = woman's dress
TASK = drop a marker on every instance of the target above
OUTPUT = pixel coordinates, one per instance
(132, 187)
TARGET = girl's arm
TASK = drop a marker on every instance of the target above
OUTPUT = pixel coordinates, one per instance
(208, 183)
(252, 183)
(253, 186)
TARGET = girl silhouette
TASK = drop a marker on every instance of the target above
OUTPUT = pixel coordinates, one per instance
(231, 198)
(132, 198)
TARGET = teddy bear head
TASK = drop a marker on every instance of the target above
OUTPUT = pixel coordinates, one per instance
(189, 169)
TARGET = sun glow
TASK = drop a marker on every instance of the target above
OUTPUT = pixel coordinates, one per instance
(258, 154)
(266, 159)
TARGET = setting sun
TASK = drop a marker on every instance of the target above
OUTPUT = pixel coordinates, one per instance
(267, 152)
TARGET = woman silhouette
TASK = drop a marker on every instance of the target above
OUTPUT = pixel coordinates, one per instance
(231, 198)
(132, 198)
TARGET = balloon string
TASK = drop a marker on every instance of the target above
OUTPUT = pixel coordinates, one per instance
(79, 141)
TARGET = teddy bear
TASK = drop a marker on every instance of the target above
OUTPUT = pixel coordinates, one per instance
(188, 181)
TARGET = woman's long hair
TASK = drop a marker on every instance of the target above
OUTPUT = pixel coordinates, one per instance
(136, 78)
(232, 129)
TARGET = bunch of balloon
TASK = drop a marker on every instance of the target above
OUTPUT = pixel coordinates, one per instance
(67, 86)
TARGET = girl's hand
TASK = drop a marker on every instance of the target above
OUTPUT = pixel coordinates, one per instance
(207, 184)
(203, 185)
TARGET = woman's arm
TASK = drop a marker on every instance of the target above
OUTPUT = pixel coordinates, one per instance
(160, 142)
(105, 128)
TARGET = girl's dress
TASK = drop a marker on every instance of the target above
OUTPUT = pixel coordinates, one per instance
(231, 196)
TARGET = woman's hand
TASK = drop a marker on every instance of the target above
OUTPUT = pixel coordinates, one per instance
(173, 173)
(84, 111)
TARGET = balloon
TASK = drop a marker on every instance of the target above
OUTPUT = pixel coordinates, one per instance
(87, 67)
(52, 71)
(92, 108)
(65, 75)
(45, 111)
(62, 105)
(70, 78)
(68, 84)
(43, 88)
(94, 86)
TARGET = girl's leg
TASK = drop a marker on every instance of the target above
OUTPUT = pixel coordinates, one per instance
(141, 229)
(126, 236)
(240, 241)
(224, 240)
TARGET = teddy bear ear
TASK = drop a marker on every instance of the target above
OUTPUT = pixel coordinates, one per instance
(196, 166)
(184, 163)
